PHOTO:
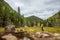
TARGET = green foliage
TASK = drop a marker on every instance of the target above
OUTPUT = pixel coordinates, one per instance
(8, 16)
(54, 20)
(34, 20)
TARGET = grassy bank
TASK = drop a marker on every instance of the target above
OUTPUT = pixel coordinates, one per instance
(37, 29)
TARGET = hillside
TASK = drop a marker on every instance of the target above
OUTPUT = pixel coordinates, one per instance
(8, 16)
(54, 20)
(35, 20)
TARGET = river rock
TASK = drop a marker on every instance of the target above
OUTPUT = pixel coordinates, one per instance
(9, 37)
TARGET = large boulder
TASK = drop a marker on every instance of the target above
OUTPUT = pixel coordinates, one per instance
(43, 35)
(10, 28)
(37, 34)
(46, 35)
(57, 35)
(9, 37)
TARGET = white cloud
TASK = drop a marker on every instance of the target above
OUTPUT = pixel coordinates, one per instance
(40, 8)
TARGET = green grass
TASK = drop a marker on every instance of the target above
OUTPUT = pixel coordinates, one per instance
(1, 29)
(37, 29)
(30, 29)
(52, 29)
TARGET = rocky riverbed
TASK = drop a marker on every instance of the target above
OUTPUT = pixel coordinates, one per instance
(28, 36)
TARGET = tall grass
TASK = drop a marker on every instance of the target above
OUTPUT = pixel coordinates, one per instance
(37, 29)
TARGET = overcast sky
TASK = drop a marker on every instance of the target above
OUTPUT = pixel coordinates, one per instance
(40, 8)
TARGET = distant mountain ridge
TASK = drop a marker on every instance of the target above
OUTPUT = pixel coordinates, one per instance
(35, 20)
(32, 18)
